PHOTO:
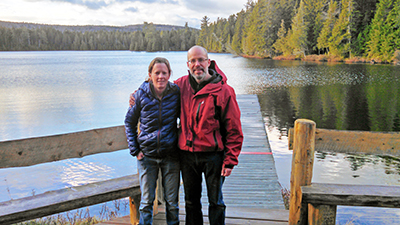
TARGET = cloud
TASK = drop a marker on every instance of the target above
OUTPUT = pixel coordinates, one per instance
(131, 9)
(96, 4)
(89, 4)
(117, 12)
(211, 7)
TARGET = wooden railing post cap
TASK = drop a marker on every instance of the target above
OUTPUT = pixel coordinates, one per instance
(305, 121)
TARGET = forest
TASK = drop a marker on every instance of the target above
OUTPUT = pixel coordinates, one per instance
(328, 30)
(150, 37)
(323, 30)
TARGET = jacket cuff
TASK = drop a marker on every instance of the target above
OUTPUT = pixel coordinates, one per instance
(229, 166)
(134, 153)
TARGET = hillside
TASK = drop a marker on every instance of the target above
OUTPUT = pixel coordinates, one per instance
(128, 28)
(140, 37)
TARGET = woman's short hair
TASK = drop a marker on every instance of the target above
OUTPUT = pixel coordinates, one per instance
(159, 60)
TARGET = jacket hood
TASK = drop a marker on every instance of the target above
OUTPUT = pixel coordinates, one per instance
(214, 67)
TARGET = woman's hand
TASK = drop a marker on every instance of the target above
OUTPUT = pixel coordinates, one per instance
(140, 156)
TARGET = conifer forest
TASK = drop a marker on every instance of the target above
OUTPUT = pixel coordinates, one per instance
(299, 28)
(340, 29)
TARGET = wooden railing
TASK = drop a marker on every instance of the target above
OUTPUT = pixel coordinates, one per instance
(312, 203)
(33, 151)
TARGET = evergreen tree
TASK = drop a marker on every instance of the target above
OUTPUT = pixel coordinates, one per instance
(359, 46)
(25, 39)
(313, 15)
(238, 33)
(43, 41)
(204, 33)
(396, 14)
(281, 45)
(254, 31)
(361, 18)
(378, 33)
(326, 32)
(391, 33)
(298, 34)
(341, 37)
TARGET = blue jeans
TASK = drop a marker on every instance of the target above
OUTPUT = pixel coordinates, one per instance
(148, 173)
(192, 167)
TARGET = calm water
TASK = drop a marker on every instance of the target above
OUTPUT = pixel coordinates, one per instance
(47, 93)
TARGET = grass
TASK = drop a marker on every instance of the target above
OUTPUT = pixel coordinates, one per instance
(286, 196)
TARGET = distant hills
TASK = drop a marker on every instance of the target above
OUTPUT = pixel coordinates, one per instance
(149, 37)
(83, 28)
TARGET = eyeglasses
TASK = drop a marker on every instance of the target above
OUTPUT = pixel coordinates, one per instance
(200, 60)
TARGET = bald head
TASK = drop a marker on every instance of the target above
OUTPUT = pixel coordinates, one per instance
(197, 48)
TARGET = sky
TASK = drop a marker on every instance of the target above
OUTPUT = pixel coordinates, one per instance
(117, 12)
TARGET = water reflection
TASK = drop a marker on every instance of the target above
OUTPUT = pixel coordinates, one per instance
(356, 169)
(26, 181)
(349, 97)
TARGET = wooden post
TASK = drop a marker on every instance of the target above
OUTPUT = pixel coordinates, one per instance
(134, 202)
(302, 166)
(321, 214)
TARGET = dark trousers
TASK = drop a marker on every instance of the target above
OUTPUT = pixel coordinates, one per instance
(193, 165)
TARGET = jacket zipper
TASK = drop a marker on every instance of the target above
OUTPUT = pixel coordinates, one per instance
(159, 127)
(215, 140)
(198, 112)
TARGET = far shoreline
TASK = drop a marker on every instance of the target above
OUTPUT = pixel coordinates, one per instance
(326, 58)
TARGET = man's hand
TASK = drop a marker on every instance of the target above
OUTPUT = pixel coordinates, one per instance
(132, 99)
(226, 171)
(140, 155)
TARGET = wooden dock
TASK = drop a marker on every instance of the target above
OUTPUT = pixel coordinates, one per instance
(252, 193)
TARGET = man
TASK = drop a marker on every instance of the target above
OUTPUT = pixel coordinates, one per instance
(210, 135)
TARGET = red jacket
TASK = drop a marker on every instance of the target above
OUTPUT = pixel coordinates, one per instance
(210, 119)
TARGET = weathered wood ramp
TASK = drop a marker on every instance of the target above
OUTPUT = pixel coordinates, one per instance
(254, 182)
(252, 193)
(234, 216)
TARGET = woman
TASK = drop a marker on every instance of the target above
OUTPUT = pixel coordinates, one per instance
(153, 140)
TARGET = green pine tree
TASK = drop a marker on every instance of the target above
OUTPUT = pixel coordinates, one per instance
(281, 45)
(326, 32)
(341, 36)
(298, 34)
(377, 32)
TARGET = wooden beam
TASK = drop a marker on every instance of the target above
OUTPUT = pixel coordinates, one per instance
(352, 195)
(53, 202)
(387, 143)
(31, 151)
(343, 141)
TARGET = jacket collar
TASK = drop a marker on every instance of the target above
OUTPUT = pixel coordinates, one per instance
(148, 87)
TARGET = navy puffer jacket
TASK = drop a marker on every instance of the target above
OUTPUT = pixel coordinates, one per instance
(157, 135)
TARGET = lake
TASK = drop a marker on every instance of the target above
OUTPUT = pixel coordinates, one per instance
(55, 92)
